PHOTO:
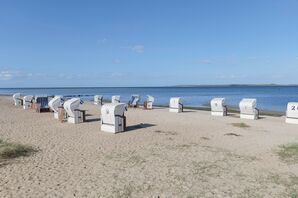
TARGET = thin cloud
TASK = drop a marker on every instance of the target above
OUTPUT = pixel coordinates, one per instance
(6, 75)
(136, 48)
(9, 74)
(102, 41)
(231, 76)
(117, 61)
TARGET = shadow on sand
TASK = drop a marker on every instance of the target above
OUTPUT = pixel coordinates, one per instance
(138, 126)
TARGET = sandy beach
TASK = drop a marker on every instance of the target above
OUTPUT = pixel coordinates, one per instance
(162, 154)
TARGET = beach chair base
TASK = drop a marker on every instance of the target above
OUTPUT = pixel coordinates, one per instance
(56, 115)
(217, 113)
(148, 106)
(292, 120)
(250, 117)
(27, 106)
(175, 110)
(18, 103)
(78, 118)
(114, 129)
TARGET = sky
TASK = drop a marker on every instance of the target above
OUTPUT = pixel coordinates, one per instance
(53, 43)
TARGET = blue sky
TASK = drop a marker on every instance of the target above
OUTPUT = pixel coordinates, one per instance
(147, 43)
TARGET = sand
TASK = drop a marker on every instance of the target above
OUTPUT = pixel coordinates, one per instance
(164, 154)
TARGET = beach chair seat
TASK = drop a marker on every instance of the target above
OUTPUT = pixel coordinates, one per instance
(113, 119)
(218, 107)
(115, 99)
(98, 99)
(248, 109)
(134, 101)
(148, 104)
(74, 114)
(176, 105)
(292, 113)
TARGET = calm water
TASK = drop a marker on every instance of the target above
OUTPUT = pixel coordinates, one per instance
(274, 98)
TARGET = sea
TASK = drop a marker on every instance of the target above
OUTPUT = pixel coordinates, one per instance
(269, 98)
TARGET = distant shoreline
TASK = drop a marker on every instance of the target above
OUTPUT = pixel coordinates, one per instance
(174, 86)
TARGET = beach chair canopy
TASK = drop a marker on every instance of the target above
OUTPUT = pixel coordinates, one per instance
(71, 105)
(98, 99)
(150, 99)
(134, 100)
(111, 111)
(175, 102)
(115, 99)
(218, 104)
(55, 103)
(248, 106)
(16, 96)
(28, 98)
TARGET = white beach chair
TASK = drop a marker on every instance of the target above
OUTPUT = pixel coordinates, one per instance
(115, 99)
(98, 99)
(218, 107)
(54, 105)
(248, 109)
(292, 113)
(74, 114)
(176, 105)
(148, 104)
(134, 101)
(17, 99)
(113, 119)
(27, 102)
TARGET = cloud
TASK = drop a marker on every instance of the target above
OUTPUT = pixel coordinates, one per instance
(102, 41)
(117, 61)
(5, 75)
(136, 48)
(9, 74)
(231, 76)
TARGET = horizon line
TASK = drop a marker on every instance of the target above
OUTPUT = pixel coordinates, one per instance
(161, 86)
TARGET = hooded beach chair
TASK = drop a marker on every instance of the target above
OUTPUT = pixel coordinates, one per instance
(248, 109)
(41, 103)
(72, 109)
(292, 113)
(54, 105)
(218, 107)
(27, 102)
(134, 101)
(17, 99)
(98, 99)
(148, 104)
(113, 119)
(115, 99)
(176, 105)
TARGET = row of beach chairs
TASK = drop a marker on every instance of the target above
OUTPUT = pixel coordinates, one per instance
(113, 114)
